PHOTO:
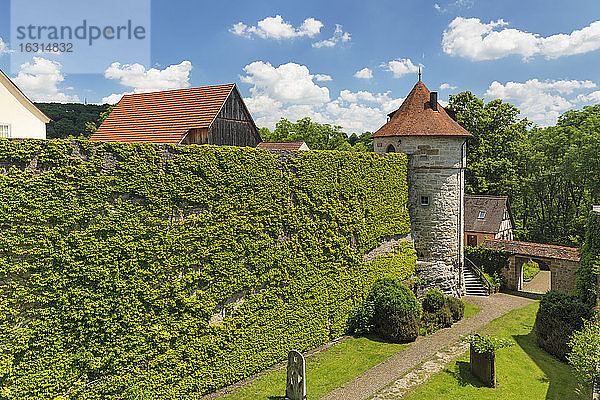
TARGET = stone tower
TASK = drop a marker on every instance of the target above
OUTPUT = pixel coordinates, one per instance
(436, 146)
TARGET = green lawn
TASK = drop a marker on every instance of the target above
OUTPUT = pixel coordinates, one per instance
(325, 371)
(330, 369)
(470, 310)
(524, 371)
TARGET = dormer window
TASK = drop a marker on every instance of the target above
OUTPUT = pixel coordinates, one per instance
(481, 215)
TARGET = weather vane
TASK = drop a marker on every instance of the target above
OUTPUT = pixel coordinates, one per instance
(419, 74)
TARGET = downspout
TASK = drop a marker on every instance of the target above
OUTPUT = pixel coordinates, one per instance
(460, 212)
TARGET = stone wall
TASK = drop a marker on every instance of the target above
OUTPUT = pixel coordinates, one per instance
(435, 171)
(562, 273)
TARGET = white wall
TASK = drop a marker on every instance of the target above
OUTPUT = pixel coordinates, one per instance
(23, 123)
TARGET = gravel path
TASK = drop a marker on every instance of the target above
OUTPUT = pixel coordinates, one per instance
(383, 374)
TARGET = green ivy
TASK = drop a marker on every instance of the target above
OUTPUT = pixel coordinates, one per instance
(586, 285)
(489, 260)
(115, 257)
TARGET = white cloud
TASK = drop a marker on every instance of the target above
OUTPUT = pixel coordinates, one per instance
(477, 41)
(339, 36)
(400, 67)
(364, 73)
(446, 86)
(4, 48)
(289, 91)
(541, 101)
(40, 80)
(289, 83)
(141, 80)
(593, 97)
(276, 28)
(323, 77)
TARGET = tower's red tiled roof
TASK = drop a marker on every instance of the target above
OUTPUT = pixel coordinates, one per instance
(280, 145)
(162, 117)
(416, 117)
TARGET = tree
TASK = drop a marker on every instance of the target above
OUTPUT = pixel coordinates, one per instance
(317, 136)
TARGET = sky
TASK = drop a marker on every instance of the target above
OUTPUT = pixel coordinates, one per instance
(346, 63)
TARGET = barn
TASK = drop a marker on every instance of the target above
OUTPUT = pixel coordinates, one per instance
(205, 115)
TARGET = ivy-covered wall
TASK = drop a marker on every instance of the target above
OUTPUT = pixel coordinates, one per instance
(138, 271)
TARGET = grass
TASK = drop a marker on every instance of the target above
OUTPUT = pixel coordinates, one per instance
(325, 371)
(524, 371)
(470, 310)
(329, 369)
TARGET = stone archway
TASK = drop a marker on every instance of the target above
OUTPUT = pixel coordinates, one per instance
(390, 149)
(562, 262)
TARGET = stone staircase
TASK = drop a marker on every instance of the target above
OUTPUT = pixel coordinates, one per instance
(473, 284)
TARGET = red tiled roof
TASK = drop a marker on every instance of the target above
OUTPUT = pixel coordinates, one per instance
(280, 145)
(416, 117)
(534, 249)
(162, 117)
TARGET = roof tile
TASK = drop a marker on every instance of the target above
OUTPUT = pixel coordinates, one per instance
(162, 117)
(416, 117)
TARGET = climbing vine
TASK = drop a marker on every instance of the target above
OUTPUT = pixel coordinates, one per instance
(174, 271)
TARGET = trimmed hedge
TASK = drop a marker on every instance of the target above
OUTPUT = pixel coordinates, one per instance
(396, 311)
(115, 257)
(560, 314)
(436, 309)
(491, 261)
(457, 308)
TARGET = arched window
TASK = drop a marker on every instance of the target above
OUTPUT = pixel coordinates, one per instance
(390, 149)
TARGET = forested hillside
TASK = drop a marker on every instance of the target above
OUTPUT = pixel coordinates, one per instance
(69, 120)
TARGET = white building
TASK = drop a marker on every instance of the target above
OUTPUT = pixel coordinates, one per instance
(19, 117)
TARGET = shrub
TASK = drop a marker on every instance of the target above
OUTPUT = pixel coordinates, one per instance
(584, 356)
(530, 270)
(559, 315)
(491, 261)
(457, 308)
(487, 344)
(433, 301)
(396, 311)
(586, 286)
(436, 309)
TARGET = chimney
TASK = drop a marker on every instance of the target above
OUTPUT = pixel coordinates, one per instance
(433, 101)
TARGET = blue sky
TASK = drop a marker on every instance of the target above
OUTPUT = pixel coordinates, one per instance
(288, 60)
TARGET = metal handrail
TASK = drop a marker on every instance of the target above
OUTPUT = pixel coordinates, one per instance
(481, 275)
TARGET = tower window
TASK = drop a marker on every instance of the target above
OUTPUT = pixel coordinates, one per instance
(481, 215)
(424, 200)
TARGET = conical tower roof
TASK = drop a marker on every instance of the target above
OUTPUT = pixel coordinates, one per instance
(415, 117)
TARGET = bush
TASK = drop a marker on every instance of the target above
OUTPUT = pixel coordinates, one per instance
(491, 261)
(487, 344)
(436, 309)
(396, 311)
(586, 286)
(530, 270)
(584, 356)
(433, 301)
(457, 308)
(559, 315)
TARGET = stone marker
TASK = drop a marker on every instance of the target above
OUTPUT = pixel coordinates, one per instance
(296, 373)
